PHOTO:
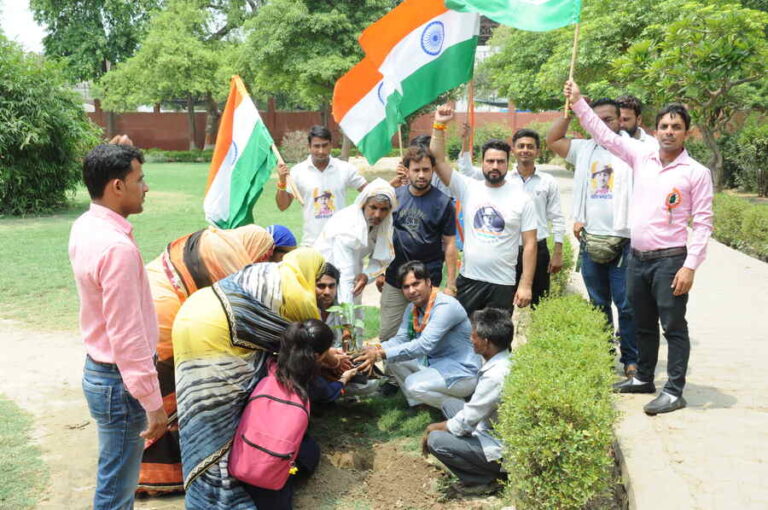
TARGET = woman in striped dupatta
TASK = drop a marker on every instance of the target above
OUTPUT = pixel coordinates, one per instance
(221, 339)
(190, 263)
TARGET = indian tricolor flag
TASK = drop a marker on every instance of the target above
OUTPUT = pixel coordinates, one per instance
(242, 161)
(419, 50)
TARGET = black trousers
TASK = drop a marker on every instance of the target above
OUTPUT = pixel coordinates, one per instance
(650, 293)
(540, 285)
(476, 295)
(306, 462)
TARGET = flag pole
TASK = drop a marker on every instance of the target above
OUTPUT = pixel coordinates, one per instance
(471, 108)
(573, 66)
(400, 139)
(289, 181)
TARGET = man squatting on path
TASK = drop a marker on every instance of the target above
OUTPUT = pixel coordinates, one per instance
(670, 189)
(117, 322)
(465, 442)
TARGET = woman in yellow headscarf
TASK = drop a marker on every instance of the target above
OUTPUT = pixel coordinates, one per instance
(189, 263)
(221, 338)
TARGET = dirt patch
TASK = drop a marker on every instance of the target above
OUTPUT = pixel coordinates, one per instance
(388, 475)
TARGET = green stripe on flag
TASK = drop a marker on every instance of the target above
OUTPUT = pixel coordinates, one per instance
(378, 142)
(533, 15)
(454, 67)
(250, 174)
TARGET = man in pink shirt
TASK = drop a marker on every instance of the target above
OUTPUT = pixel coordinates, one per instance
(117, 321)
(670, 190)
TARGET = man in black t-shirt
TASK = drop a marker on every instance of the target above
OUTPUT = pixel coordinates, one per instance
(425, 230)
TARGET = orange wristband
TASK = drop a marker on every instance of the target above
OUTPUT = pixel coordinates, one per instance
(439, 126)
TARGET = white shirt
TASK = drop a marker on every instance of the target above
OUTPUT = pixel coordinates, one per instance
(349, 258)
(595, 178)
(477, 416)
(545, 193)
(494, 220)
(323, 193)
(647, 139)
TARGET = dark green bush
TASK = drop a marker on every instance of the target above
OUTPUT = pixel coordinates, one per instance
(741, 224)
(44, 133)
(193, 156)
(752, 157)
(556, 417)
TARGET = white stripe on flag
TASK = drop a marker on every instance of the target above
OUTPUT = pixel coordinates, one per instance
(216, 201)
(427, 43)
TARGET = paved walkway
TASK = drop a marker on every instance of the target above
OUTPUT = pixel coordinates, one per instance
(714, 454)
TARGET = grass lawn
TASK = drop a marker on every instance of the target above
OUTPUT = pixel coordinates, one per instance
(38, 288)
(21, 470)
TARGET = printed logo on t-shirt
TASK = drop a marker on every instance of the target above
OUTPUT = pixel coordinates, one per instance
(601, 182)
(323, 203)
(488, 222)
(411, 220)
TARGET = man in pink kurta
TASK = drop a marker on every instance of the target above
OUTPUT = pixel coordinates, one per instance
(117, 322)
(670, 190)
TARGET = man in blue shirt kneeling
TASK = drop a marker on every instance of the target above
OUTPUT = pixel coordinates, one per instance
(431, 356)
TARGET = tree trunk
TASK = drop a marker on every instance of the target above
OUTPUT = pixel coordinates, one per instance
(716, 161)
(212, 123)
(346, 146)
(325, 114)
(191, 122)
(111, 124)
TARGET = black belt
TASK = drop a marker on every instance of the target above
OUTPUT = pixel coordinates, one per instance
(659, 254)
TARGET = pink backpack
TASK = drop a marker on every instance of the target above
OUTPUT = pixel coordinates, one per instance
(269, 435)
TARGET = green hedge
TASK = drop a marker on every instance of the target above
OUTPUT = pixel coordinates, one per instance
(194, 156)
(559, 281)
(742, 225)
(556, 417)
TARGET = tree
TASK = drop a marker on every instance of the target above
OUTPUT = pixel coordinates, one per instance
(301, 47)
(92, 35)
(45, 133)
(175, 61)
(703, 59)
(530, 67)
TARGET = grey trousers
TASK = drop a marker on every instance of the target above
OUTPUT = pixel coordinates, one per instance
(463, 455)
(393, 305)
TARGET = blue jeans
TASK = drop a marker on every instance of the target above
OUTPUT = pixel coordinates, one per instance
(606, 283)
(119, 419)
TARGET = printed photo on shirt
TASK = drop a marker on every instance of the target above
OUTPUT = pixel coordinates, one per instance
(488, 222)
(323, 203)
(601, 182)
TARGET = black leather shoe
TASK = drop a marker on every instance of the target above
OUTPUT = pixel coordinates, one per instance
(626, 386)
(663, 404)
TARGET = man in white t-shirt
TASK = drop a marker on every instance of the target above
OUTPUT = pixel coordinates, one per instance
(601, 187)
(497, 215)
(321, 180)
(631, 117)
